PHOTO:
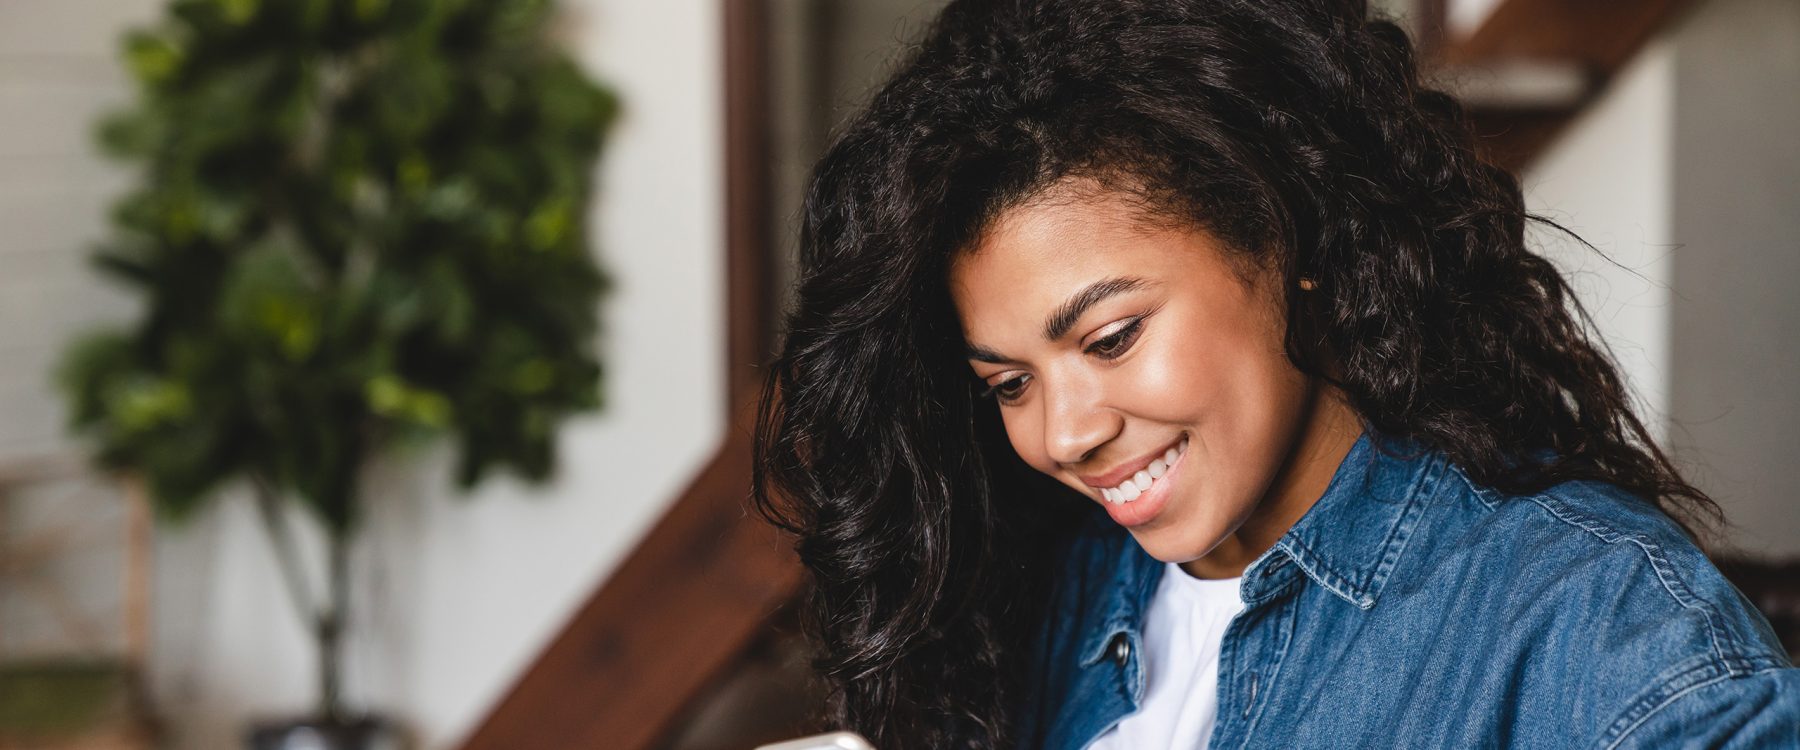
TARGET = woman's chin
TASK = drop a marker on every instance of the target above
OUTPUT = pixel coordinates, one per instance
(1178, 537)
(1169, 547)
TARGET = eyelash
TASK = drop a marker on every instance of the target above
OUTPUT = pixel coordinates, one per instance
(1114, 346)
(1110, 348)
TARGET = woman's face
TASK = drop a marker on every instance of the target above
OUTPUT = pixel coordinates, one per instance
(1114, 344)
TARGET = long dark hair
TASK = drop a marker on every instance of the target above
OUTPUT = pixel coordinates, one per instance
(1298, 132)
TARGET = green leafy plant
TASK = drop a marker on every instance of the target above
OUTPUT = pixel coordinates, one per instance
(359, 224)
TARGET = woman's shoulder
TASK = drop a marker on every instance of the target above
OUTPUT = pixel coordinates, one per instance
(1587, 512)
(1609, 565)
(1593, 594)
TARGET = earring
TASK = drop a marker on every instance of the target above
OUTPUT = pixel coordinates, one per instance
(1308, 284)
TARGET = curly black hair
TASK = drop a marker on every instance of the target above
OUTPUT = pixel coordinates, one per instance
(1296, 131)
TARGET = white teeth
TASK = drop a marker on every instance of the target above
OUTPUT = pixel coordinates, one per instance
(1141, 482)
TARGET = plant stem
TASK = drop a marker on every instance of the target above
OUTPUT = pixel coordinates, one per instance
(331, 628)
(327, 621)
(281, 537)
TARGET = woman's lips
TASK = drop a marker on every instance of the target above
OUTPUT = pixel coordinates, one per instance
(1150, 504)
(1140, 476)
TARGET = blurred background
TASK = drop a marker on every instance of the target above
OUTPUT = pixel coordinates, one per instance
(538, 537)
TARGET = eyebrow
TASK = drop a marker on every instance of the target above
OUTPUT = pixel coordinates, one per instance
(1064, 316)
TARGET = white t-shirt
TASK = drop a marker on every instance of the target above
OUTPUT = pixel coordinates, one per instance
(1182, 633)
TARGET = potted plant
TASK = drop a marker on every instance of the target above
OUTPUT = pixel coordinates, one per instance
(359, 224)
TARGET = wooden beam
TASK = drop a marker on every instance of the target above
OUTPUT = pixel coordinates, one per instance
(749, 271)
(1431, 26)
(1511, 139)
(1600, 34)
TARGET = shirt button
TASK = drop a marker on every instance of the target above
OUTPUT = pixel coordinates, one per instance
(1121, 648)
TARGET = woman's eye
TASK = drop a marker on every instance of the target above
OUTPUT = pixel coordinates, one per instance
(1114, 345)
(1007, 390)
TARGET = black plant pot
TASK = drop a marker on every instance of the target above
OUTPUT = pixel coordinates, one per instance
(359, 733)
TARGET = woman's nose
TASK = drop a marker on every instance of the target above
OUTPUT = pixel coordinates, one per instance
(1076, 421)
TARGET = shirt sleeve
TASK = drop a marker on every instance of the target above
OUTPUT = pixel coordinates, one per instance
(1758, 710)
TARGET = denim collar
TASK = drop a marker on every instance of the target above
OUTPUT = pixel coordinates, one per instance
(1350, 540)
(1347, 542)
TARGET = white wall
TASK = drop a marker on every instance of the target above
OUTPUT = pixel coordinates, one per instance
(456, 594)
(1606, 178)
(1465, 16)
(1735, 383)
(1686, 173)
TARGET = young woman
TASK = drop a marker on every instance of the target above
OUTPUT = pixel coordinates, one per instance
(1173, 371)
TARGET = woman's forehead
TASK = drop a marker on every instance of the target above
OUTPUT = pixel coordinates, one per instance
(1040, 256)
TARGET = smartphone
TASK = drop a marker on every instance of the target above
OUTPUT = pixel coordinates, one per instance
(831, 741)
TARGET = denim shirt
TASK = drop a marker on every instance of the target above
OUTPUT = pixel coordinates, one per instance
(1412, 607)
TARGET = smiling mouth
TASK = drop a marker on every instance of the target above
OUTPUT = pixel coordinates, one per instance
(1145, 478)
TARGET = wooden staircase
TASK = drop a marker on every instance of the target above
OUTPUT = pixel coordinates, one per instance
(680, 612)
(704, 600)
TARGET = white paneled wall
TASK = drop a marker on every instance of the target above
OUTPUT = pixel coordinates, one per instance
(58, 73)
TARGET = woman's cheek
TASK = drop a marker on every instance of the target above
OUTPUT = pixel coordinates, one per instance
(1173, 382)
